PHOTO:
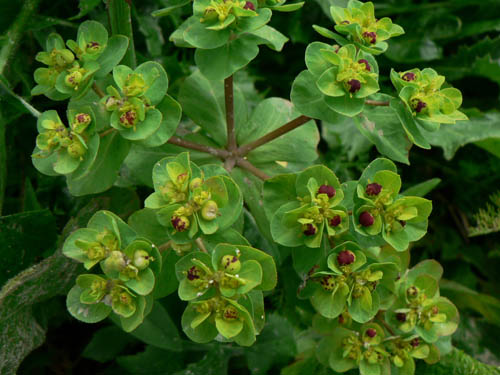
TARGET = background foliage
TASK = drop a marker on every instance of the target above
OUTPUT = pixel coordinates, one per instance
(458, 38)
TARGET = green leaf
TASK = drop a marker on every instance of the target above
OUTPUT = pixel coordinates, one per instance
(270, 37)
(121, 23)
(382, 127)
(171, 115)
(170, 5)
(423, 188)
(104, 171)
(106, 344)
(197, 35)
(278, 191)
(151, 361)
(159, 330)
(86, 313)
(115, 50)
(309, 100)
(451, 137)
(298, 145)
(345, 105)
(220, 63)
(203, 333)
(409, 124)
(203, 101)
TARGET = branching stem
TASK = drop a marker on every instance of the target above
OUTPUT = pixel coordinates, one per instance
(377, 103)
(229, 99)
(245, 164)
(295, 123)
(217, 152)
(98, 90)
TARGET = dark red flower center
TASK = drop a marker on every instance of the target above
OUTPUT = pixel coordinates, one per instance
(128, 118)
(335, 221)
(370, 36)
(193, 273)
(420, 106)
(249, 5)
(415, 342)
(328, 190)
(366, 219)
(346, 257)
(367, 64)
(373, 189)
(178, 224)
(370, 332)
(310, 230)
(354, 85)
(401, 317)
(408, 77)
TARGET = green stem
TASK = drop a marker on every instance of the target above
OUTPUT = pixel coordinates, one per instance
(3, 162)
(15, 33)
(120, 21)
(229, 101)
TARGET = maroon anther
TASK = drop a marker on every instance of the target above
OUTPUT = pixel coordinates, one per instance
(346, 257)
(366, 219)
(371, 36)
(373, 189)
(249, 5)
(328, 190)
(409, 76)
(355, 85)
(335, 221)
(371, 333)
(367, 64)
(310, 230)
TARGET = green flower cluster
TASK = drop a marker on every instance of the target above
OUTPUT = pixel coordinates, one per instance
(352, 283)
(358, 22)
(379, 209)
(70, 71)
(421, 92)
(130, 265)
(64, 149)
(224, 291)
(133, 112)
(302, 206)
(417, 325)
(189, 199)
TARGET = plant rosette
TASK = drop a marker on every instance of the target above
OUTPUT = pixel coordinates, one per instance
(203, 321)
(424, 98)
(62, 150)
(229, 271)
(379, 209)
(303, 206)
(133, 109)
(419, 308)
(347, 349)
(358, 22)
(189, 202)
(354, 282)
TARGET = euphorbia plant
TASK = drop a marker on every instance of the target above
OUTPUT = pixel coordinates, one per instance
(348, 239)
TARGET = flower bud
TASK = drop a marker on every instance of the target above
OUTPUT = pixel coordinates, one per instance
(230, 263)
(366, 219)
(130, 272)
(115, 262)
(249, 5)
(230, 313)
(93, 47)
(412, 292)
(408, 77)
(373, 189)
(80, 122)
(371, 333)
(76, 149)
(209, 210)
(335, 221)
(141, 259)
(370, 37)
(180, 223)
(134, 85)
(195, 183)
(73, 79)
(128, 119)
(309, 229)
(345, 258)
(328, 190)
(327, 283)
(111, 103)
(367, 64)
